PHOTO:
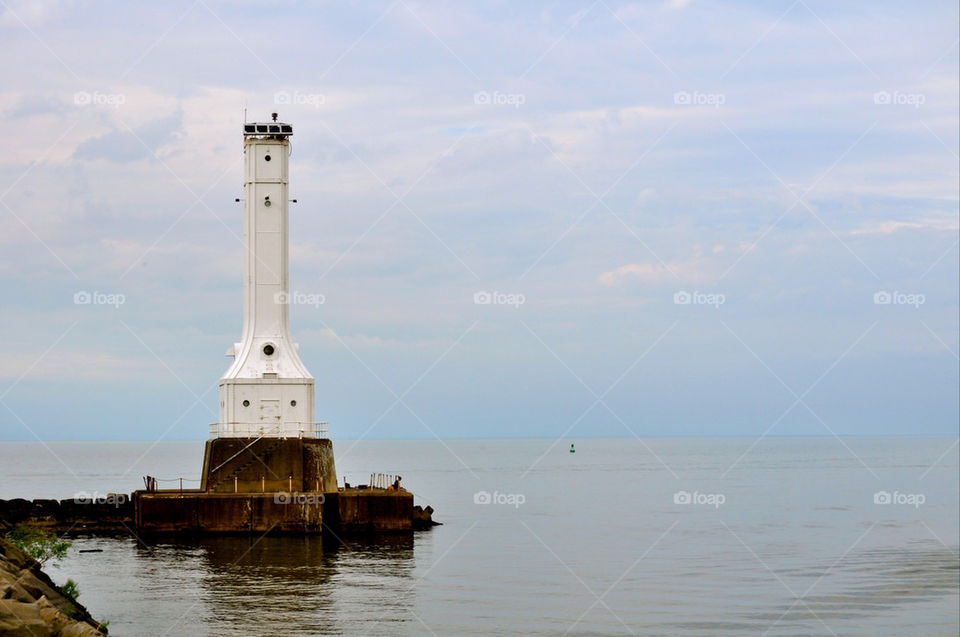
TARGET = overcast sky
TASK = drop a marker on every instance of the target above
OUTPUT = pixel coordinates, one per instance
(689, 218)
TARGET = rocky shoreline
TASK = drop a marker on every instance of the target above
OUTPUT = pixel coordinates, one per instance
(31, 605)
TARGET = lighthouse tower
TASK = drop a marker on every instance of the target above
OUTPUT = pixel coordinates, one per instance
(267, 391)
(268, 467)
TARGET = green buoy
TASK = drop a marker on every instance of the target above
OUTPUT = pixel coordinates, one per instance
(572, 450)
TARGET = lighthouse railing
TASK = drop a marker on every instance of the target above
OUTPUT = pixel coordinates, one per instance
(269, 430)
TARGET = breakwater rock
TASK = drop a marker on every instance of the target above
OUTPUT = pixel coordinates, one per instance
(31, 605)
(113, 512)
(423, 518)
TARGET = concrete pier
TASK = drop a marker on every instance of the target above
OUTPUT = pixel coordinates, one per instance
(248, 485)
(374, 510)
(345, 512)
(282, 485)
(228, 512)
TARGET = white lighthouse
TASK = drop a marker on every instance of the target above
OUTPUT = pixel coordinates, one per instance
(267, 391)
(265, 444)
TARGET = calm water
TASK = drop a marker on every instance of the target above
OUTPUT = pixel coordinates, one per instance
(787, 540)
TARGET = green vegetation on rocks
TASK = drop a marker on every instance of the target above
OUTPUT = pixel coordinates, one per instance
(31, 605)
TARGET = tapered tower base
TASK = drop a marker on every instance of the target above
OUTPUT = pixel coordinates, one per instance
(266, 465)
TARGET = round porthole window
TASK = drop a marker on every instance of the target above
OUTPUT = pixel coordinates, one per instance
(266, 158)
(246, 403)
(268, 350)
(267, 203)
(293, 403)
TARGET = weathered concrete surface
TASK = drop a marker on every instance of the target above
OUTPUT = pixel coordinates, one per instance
(319, 469)
(248, 465)
(373, 510)
(31, 605)
(168, 512)
(348, 512)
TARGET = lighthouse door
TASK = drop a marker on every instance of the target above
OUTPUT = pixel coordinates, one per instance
(270, 411)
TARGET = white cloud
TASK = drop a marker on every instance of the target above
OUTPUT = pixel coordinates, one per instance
(891, 226)
(693, 271)
(67, 365)
(15, 13)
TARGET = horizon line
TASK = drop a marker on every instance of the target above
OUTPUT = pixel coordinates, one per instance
(692, 437)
